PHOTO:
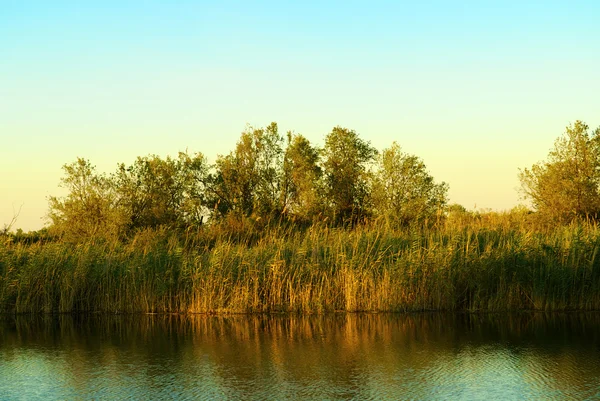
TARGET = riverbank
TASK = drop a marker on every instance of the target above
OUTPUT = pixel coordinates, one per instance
(485, 267)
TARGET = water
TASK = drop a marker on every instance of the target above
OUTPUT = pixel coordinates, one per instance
(387, 356)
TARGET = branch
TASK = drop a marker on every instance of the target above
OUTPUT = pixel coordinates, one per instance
(8, 226)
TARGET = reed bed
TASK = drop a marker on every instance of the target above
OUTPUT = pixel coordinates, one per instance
(491, 266)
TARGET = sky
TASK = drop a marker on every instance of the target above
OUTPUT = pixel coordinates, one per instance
(477, 89)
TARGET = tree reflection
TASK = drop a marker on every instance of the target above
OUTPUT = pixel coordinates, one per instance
(334, 356)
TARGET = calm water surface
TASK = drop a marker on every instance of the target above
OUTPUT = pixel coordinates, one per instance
(387, 356)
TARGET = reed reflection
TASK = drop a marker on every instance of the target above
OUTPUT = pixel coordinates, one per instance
(334, 356)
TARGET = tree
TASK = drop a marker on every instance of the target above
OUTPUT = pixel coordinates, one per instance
(346, 160)
(156, 192)
(566, 186)
(89, 209)
(301, 179)
(247, 182)
(403, 190)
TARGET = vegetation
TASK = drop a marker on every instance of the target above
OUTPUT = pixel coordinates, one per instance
(295, 228)
(404, 192)
(261, 180)
(567, 186)
(475, 262)
(346, 175)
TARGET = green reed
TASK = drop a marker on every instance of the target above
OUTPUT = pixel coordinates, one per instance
(489, 265)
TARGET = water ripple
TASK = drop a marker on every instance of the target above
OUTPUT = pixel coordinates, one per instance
(421, 357)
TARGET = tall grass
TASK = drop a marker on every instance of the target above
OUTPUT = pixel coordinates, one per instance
(490, 265)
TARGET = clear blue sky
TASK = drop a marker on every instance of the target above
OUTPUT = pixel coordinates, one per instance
(476, 89)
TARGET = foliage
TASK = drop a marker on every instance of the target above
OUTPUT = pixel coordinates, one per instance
(566, 186)
(346, 162)
(247, 181)
(89, 209)
(302, 192)
(403, 190)
(260, 181)
(154, 192)
(150, 193)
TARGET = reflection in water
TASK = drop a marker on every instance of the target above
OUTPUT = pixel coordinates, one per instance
(420, 356)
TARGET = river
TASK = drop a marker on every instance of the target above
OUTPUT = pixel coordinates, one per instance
(423, 356)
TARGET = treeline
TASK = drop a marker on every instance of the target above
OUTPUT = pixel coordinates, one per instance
(266, 179)
(271, 179)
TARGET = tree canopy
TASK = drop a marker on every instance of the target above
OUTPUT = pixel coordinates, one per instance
(263, 179)
(566, 185)
(89, 209)
(246, 182)
(156, 192)
(404, 191)
(346, 160)
(302, 189)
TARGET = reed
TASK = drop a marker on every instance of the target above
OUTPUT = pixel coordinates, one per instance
(492, 264)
